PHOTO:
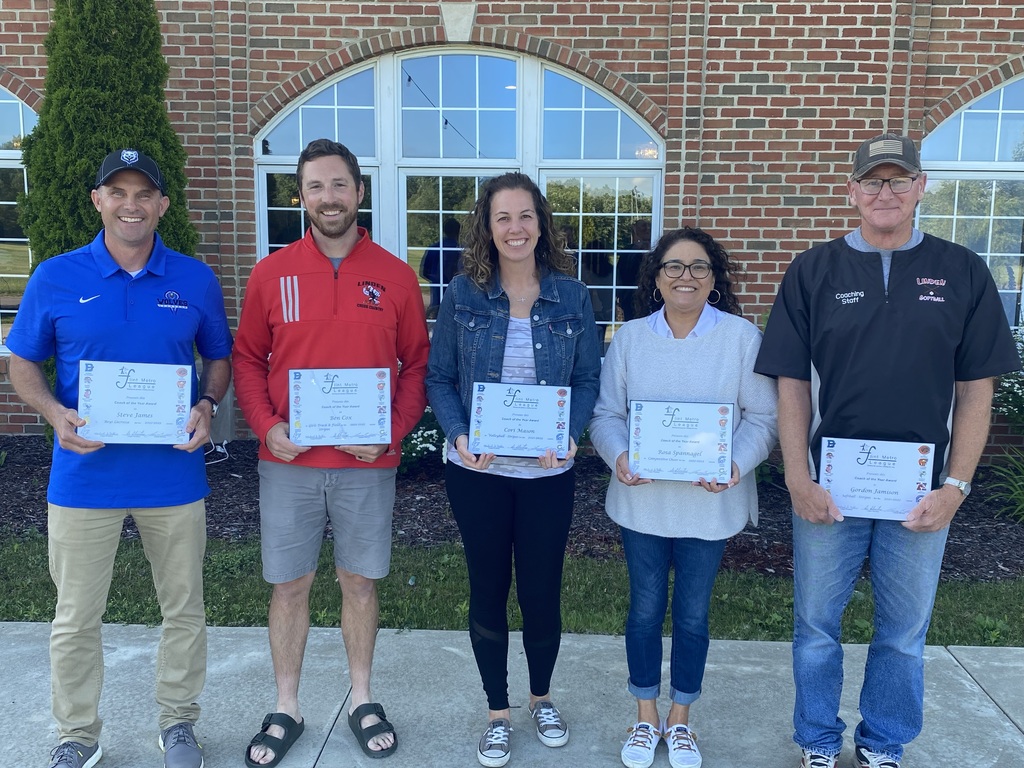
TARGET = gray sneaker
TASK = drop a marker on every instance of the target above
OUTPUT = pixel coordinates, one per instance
(180, 748)
(493, 750)
(552, 730)
(74, 754)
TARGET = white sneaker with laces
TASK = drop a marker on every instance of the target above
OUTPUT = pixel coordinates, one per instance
(811, 759)
(639, 749)
(868, 759)
(682, 747)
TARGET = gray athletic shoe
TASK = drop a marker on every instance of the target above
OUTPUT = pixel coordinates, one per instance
(493, 750)
(180, 748)
(74, 754)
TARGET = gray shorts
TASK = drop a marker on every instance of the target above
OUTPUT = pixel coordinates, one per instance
(295, 505)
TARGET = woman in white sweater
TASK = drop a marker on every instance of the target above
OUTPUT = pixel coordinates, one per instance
(692, 347)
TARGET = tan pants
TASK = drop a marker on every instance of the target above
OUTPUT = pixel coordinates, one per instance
(82, 545)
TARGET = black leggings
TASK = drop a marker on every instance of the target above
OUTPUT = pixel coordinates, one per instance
(501, 518)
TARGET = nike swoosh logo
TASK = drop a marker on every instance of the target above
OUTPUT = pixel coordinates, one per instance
(84, 300)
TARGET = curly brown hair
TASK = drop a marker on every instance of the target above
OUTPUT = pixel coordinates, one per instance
(725, 270)
(480, 257)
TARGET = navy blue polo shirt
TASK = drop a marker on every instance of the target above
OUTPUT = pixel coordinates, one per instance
(883, 362)
(82, 306)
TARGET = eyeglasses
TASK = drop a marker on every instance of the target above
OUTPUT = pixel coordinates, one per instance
(698, 270)
(899, 185)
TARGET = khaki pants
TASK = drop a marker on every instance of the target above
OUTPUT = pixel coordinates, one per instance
(82, 545)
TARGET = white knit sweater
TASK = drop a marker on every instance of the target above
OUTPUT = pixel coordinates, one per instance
(715, 368)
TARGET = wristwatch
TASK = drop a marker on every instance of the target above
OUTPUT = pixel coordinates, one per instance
(961, 485)
(214, 406)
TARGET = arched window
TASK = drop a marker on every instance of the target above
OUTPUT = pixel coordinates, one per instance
(16, 120)
(429, 126)
(975, 192)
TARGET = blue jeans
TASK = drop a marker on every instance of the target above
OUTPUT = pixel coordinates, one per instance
(648, 559)
(827, 560)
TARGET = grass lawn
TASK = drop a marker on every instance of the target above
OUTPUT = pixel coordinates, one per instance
(427, 589)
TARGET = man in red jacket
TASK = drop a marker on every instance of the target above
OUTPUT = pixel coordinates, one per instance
(333, 299)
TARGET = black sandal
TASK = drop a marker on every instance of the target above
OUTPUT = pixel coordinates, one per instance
(292, 731)
(364, 735)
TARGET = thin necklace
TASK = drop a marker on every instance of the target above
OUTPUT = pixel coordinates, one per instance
(520, 299)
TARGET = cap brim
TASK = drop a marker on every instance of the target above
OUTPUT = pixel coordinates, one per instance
(874, 163)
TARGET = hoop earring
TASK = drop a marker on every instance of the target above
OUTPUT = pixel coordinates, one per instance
(656, 295)
(718, 298)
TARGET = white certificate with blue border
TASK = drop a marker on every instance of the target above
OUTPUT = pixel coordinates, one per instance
(881, 479)
(680, 441)
(519, 419)
(145, 403)
(339, 406)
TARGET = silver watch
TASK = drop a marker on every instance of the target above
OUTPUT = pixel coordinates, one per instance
(961, 485)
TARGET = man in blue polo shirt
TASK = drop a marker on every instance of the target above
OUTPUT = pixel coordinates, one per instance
(125, 297)
(886, 334)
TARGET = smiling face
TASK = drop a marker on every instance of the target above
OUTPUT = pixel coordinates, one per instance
(130, 207)
(515, 226)
(887, 218)
(330, 196)
(685, 295)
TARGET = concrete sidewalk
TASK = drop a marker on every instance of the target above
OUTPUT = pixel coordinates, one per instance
(428, 684)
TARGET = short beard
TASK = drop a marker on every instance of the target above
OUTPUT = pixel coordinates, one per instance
(334, 230)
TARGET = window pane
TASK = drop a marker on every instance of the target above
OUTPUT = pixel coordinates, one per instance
(324, 98)
(972, 233)
(601, 135)
(458, 193)
(9, 226)
(498, 135)
(1007, 235)
(283, 227)
(357, 90)
(420, 87)
(1009, 198)
(10, 123)
(424, 229)
(1011, 138)
(12, 184)
(356, 130)
(458, 81)
(938, 226)
(284, 139)
(562, 132)
(458, 134)
(1013, 95)
(943, 143)
(560, 91)
(634, 143)
(980, 137)
(594, 100)
(497, 82)
(421, 134)
(987, 102)
(317, 123)
(599, 194)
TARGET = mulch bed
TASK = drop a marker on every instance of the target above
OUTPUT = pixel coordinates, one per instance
(983, 546)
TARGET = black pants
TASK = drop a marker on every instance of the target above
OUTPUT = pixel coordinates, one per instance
(501, 518)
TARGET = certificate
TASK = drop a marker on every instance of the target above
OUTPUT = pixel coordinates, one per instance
(680, 441)
(519, 419)
(339, 406)
(883, 479)
(134, 402)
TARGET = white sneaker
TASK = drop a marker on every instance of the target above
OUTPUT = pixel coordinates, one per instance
(493, 750)
(811, 759)
(868, 759)
(552, 730)
(682, 747)
(638, 751)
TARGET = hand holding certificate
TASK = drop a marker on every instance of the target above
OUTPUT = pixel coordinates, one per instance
(134, 403)
(680, 441)
(881, 479)
(519, 419)
(339, 406)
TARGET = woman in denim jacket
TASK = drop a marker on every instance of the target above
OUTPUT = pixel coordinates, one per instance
(516, 315)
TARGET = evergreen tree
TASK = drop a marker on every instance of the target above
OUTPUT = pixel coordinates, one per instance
(104, 91)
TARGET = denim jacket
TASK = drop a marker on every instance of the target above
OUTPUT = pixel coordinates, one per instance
(468, 345)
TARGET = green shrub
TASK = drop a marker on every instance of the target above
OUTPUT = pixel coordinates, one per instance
(1009, 396)
(422, 446)
(1008, 488)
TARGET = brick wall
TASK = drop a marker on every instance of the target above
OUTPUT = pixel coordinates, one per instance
(761, 104)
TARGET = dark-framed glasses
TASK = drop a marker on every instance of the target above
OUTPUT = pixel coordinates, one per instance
(698, 270)
(898, 184)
